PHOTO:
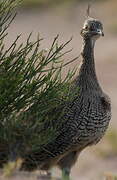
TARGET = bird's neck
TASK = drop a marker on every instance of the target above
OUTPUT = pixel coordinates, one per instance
(87, 75)
(88, 64)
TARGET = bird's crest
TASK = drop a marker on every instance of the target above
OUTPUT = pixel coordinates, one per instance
(88, 11)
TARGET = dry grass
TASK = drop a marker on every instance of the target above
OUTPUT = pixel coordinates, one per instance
(111, 177)
(11, 172)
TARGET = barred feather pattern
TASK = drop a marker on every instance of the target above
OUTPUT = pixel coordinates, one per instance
(85, 119)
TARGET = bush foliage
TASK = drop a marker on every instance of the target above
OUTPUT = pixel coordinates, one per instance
(31, 89)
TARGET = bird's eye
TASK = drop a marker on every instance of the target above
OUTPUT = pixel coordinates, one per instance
(99, 24)
(86, 27)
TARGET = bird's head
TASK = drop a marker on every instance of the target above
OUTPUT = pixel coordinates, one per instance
(92, 28)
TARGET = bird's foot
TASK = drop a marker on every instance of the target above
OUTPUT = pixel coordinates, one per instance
(65, 174)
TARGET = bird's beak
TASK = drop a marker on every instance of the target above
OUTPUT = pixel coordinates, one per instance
(100, 32)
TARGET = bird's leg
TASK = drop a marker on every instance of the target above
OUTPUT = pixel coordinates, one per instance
(66, 163)
(66, 174)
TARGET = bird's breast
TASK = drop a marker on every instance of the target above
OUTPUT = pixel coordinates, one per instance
(92, 120)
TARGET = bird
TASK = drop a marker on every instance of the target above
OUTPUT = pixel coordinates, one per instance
(85, 118)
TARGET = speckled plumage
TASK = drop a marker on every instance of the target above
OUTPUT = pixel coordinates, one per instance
(86, 117)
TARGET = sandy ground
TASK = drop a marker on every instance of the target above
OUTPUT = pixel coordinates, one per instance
(68, 22)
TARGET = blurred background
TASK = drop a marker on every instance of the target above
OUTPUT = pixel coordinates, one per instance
(66, 17)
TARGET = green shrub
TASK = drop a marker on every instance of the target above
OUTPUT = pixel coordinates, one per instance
(31, 89)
